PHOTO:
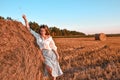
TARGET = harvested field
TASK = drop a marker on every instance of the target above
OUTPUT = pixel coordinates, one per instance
(87, 59)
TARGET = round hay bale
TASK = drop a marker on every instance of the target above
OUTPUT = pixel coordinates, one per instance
(101, 37)
(20, 57)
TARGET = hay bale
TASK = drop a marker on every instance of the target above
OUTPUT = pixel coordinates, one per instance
(101, 37)
(19, 55)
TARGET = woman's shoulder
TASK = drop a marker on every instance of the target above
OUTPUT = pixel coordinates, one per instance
(49, 36)
(34, 33)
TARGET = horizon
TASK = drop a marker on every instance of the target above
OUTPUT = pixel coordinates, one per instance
(88, 16)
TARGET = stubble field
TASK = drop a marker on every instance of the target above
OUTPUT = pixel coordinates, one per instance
(87, 59)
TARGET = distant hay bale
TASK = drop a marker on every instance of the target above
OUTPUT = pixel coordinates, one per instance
(101, 37)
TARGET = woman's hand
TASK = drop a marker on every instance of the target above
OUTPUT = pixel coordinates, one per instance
(26, 22)
(24, 17)
(57, 55)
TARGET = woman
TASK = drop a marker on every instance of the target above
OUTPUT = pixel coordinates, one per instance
(49, 50)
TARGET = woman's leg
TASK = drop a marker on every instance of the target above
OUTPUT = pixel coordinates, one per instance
(50, 72)
(54, 78)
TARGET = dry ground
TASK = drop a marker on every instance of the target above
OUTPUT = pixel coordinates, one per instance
(87, 59)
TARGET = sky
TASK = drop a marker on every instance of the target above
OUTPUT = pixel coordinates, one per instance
(87, 16)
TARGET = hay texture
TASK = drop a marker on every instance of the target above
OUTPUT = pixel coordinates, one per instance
(20, 57)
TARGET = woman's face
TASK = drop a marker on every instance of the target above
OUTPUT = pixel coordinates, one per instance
(42, 31)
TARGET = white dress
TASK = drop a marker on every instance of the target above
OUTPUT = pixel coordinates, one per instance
(48, 46)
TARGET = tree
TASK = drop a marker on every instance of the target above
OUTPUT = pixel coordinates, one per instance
(9, 18)
(34, 26)
(55, 31)
(2, 17)
(63, 32)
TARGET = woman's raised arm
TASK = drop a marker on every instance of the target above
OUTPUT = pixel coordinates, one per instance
(36, 35)
(26, 22)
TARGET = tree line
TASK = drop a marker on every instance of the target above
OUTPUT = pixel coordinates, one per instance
(54, 31)
(8, 18)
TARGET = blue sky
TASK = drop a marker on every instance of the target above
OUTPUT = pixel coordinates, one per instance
(88, 16)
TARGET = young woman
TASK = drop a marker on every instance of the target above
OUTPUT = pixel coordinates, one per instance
(48, 48)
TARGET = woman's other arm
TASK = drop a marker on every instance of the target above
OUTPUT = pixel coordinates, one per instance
(54, 48)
